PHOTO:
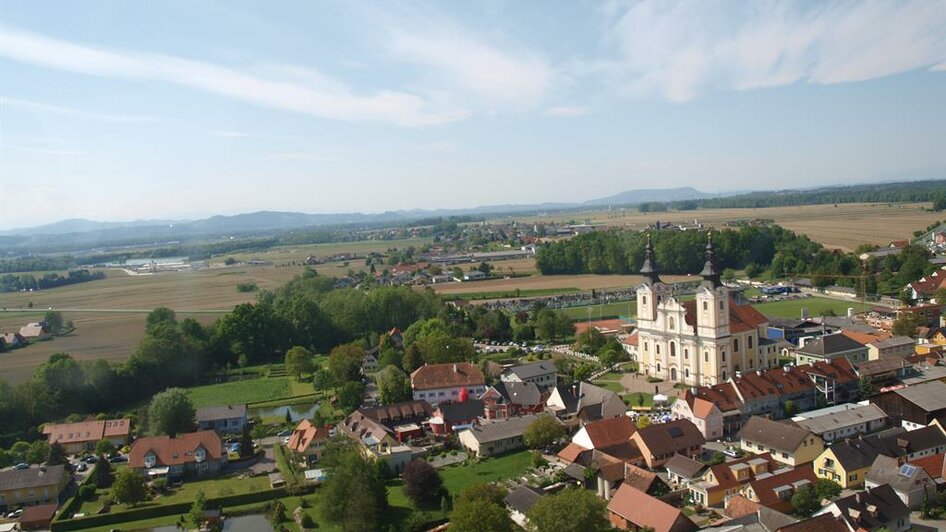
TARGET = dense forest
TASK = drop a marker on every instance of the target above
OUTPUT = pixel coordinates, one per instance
(770, 250)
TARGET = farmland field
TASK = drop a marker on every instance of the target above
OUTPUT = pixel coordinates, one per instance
(240, 392)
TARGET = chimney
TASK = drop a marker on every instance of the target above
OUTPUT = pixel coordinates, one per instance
(455, 369)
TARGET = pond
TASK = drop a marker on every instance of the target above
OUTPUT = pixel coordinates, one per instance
(297, 411)
(246, 523)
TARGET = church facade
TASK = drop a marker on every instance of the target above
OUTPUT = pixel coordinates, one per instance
(699, 342)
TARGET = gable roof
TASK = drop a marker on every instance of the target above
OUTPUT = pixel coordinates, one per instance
(863, 337)
(821, 523)
(643, 510)
(930, 396)
(305, 434)
(852, 415)
(213, 413)
(639, 478)
(725, 477)
(523, 498)
(829, 345)
(175, 451)
(932, 464)
(571, 452)
(456, 375)
(774, 435)
(501, 430)
(519, 393)
(452, 412)
(886, 504)
(533, 369)
(396, 413)
(87, 431)
(902, 478)
(684, 466)
(34, 477)
(765, 488)
(673, 436)
(840, 370)
(608, 432)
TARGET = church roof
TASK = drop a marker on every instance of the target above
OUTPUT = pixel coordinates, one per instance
(741, 317)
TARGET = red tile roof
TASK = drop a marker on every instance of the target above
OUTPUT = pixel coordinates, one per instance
(631, 339)
(741, 317)
(305, 434)
(764, 488)
(570, 452)
(175, 451)
(608, 432)
(738, 506)
(645, 511)
(601, 325)
(436, 376)
(839, 369)
(725, 479)
(87, 431)
(929, 284)
(933, 464)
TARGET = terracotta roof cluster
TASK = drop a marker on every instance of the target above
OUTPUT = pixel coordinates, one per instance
(821, 523)
(454, 375)
(777, 382)
(175, 451)
(399, 413)
(928, 285)
(865, 338)
(305, 434)
(724, 475)
(840, 370)
(87, 431)
(609, 432)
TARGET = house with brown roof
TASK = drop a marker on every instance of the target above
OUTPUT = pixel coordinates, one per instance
(724, 480)
(35, 331)
(775, 491)
(584, 402)
(605, 433)
(660, 442)
(195, 453)
(632, 509)
(437, 383)
(871, 510)
(787, 443)
(724, 418)
(380, 431)
(35, 485)
(837, 381)
(83, 435)
(682, 470)
(308, 441)
(510, 399)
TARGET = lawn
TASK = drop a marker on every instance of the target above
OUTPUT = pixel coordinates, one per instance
(240, 392)
(458, 478)
(614, 386)
(816, 306)
(513, 293)
(623, 309)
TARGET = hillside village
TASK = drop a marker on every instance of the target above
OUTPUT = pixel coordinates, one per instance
(754, 423)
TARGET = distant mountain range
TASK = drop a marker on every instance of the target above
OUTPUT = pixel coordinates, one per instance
(277, 220)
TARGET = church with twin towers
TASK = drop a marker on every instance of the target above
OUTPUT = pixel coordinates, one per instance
(698, 342)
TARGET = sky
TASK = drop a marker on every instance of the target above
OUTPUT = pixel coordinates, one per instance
(115, 110)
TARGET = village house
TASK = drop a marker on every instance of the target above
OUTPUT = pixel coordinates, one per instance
(369, 362)
(632, 509)
(630, 343)
(914, 406)
(308, 441)
(604, 433)
(715, 410)
(510, 399)
(230, 419)
(831, 347)
(896, 347)
(497, 437)
(871, 510)
(787, 443)
(748, 516)
(682, 470)
(792, 330)
(585, 402)
(437, 383)
(835, 382)
(925, 288)
(38, 517)
(451, 417)
(775, 491)
(83, 435)
(12, 340)
(520, 501)
(847, 461)
(380, 431)
(35, 485)
(911, 483)
(542, 373)
(195, 453)
(658, 443)
(843, 421)
(725, 480)
(35, 331)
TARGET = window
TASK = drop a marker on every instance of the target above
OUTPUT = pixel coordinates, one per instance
(645, 346)
(705, 356)
(724, 356)
(720, 305)
(671, 323)
(673, 349)
(735, 345)
(686, 354)
(686, 372)
(657, 347)
(643, 300)
(658, 367)
(852, 477)
(750, 342)
(705, 306)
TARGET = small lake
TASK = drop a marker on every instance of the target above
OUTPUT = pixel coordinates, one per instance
(246, 523)
(297, 411)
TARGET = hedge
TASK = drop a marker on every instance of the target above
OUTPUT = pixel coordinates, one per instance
(76, 502)
(151, 512)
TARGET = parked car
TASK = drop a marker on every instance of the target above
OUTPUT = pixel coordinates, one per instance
(91, 459)
(117, 459)
(284, 433)
(730, 452)
(21, 465)
(81, 467)
(15, 513)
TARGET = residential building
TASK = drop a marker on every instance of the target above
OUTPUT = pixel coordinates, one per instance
(724, 418)
(682, 470)
(308, 441)
(370, 361)
(520, 501)
(700, 342)
(914, 406)
(12, 340)
(35, 331)
(630, 343)
(497, 437)
(775, 393)
(885, 371)
(831, 347)
(230, 419)
(450, 417)
(585, 402)
(792, 330)
(787, 443)
(725, 480)
(195, 453)
(632, 509)
(605, 433)
(542, 373)
(510, 399)
(775, 491)
(843, 421)
(378, 436)
(925, 288)
(821, 523)
(436, 383)
(911, 483)
(83, 435)
(835, 382)
(658, 443)
(871, 510)
(896, 347)
(28, 487)
(847, 462)
(747, 516)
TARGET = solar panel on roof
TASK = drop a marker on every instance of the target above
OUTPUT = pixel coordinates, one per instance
(907, 470)
(675, 432)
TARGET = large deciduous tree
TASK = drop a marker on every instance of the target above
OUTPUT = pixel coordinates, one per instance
(393, 386)
(129, 487)
(542, 432)
(570, 510)
(171, 412)
(422, 483)
(298, 361)
(354, 497)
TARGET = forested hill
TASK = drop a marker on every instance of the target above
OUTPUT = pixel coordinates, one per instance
(869, 193)
(773, 250)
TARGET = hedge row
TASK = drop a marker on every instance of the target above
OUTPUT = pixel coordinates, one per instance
(151, 512)
(76, 501)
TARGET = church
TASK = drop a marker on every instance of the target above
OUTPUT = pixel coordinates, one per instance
(698, 342)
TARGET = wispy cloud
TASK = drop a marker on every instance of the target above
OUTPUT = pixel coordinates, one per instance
(230, 134)
(493, 69)
(680, 49)
(41, 107)
(566, 111)
(337, 103)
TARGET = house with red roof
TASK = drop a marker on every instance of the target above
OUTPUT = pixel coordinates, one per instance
(436, 383)
(726, 479)
(632, 509)
(925, 287)
(195, 453)
(308, 441)
(83, 435)
(775, 491)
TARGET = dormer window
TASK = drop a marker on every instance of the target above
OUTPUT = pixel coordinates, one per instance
(150, 460)
(200, 454)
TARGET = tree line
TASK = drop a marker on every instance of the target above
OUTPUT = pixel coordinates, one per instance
(17, 283)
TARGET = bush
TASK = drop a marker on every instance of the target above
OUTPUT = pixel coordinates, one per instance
(307, 521)
(654, 379)
(160, 485)
(86, 492)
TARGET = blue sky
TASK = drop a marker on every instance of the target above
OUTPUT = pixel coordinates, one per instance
(129, 110)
